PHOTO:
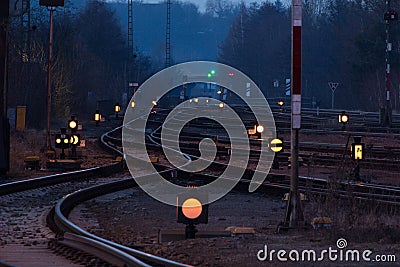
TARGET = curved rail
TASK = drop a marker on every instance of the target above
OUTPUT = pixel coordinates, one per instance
(78, 238)
(65, 205)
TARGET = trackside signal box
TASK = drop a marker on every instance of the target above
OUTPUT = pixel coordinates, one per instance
(357, 149)
(276, 145)
(62, 140)
(191, 211)
(391, 15)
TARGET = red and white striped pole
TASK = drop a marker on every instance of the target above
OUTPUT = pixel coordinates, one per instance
(388, 111)
(294, 212)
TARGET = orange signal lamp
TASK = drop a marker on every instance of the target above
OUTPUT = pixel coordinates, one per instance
(191, 211)
(192, 208)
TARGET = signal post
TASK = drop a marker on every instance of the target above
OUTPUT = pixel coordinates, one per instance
(294, 213)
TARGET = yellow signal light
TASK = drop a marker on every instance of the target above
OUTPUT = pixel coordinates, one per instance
(276, 145)
(74, 139)
(358, 152)
(58, 141)
(343, 118)
(72, 124)
(117, 108)
(257, 129)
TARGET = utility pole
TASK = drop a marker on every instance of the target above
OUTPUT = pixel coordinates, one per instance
(294, 213)
(48, 138)
(51, 6)
(4, 125)
(168, 36)
(131, 52)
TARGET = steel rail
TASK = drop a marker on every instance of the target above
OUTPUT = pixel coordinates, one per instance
(66, 204)
(54, 179)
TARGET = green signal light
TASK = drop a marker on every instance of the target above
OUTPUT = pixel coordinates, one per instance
(211, 73)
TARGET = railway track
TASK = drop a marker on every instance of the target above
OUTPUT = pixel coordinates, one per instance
(315, 153)
(27, 203)
(310, 186)
(75, 238)
(379, 193)
(323, 122)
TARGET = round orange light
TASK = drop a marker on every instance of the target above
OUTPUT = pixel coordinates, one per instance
(192, 208)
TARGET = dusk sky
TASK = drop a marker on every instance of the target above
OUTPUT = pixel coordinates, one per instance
(202, 3)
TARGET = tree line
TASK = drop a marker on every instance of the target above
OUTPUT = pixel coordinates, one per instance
(90, 59)
(343, 41)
